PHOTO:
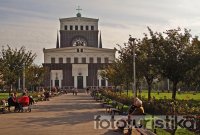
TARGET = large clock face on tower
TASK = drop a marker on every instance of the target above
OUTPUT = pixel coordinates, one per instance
(79, 41)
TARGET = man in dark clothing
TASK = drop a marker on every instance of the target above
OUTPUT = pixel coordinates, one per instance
(12, 101)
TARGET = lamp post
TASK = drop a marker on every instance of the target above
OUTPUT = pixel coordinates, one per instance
(24, 77)
(19, 83)
(50, 81)
(131, 41)
(35, 81)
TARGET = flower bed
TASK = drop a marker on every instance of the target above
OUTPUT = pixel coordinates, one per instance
(159, 106)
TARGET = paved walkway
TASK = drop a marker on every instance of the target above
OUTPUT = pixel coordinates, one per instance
(62, 115)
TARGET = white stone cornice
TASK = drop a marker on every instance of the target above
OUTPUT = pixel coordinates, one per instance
(78, 19)
(74, 48)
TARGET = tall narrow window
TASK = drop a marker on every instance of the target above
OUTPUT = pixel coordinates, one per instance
(106, 60)
(65, 27)
(86, 28)
(75, 60)
(83, 60)
(60, 60)
(91, 60)
(92, 27)
(81, 27)
(68, 60)
(53, 60)
(98, 59)
(76, 27)
(71, 27)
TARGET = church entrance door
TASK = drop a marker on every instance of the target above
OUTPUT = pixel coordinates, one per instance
(80, 82)
(56, 83)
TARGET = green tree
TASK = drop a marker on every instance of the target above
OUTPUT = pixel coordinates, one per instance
(146, 61)
(174, 55)
(113, 73)
(35, 76)
(126, 58)
(12, 62)
(192, 77)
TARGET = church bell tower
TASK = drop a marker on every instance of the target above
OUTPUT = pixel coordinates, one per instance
(78, 31)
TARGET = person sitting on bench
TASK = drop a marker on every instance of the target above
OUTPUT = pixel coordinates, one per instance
(135, 109)
(12, 101)
(24, 100)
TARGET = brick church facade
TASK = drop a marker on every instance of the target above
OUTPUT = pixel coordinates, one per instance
(78, 57)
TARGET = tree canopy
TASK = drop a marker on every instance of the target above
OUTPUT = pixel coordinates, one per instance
(173, 54)
(12, 62)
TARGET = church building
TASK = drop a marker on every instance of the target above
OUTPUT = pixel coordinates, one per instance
(78, 56)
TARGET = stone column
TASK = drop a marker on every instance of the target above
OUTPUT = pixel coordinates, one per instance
(60, 83)
(99, 81)
(75, 81)
(84, 81)
(106, 83)
(53, 81)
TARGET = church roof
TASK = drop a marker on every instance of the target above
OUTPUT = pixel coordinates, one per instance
(78, 18)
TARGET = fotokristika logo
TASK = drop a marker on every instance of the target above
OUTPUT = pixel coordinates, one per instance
(144, 121)
(108, 122)
(174, 121)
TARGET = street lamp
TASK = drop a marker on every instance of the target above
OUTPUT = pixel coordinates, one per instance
(24, 77)
(131, 42)
(35, 81)
(50, 81)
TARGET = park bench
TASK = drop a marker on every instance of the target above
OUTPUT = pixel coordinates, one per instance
(117, 108)
(105, 102)
(143, 131)
(3, 106)
(24, 109)
(108, 104)
(98, 97)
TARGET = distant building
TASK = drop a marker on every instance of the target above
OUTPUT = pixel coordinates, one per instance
(78, 57)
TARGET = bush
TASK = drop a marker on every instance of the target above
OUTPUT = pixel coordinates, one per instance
(159, 106)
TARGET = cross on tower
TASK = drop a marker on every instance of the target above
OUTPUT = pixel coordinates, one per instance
(79, 9)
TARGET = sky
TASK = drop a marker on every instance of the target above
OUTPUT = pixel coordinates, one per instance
(34, 23)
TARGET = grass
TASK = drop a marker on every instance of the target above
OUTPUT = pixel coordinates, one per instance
(178, 132)
(184, 131)
(162, 95)
(162, 132)
(179, 96)
(4, 96)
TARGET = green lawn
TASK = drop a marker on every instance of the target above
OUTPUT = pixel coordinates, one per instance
(162, 95)
(4, 96)
(178, 132)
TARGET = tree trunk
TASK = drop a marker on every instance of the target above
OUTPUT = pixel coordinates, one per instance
(10, 91)
(149, 91)
(127, 86)
(115, 88)
(174, 90)
(120, 89)
(173, 131)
